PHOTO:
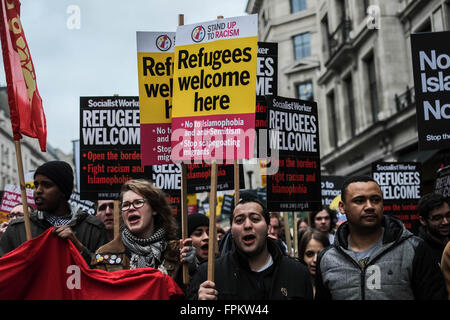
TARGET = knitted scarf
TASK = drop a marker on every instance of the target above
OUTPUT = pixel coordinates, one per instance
(146, 252)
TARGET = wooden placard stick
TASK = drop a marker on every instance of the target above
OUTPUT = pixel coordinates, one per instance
(295, 237)
(184, 205)
(236, 182)
(212, 221)
(184, 216)
(287, 232)
(23, 191)
(116, 219)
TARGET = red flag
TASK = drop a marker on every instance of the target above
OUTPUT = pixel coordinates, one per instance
(51, 268)
(25, 103)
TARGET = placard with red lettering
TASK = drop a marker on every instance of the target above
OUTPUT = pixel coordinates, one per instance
(109, 146)
(400, 183)
(12, 196)
(294, 135)
(213, 114)
(155, 75)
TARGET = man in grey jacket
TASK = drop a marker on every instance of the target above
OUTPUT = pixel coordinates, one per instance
(374, 257)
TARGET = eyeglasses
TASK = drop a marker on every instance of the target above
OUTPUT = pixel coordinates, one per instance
(440, 217)
(138, 203)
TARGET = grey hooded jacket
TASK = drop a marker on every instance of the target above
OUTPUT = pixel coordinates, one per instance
(400, 269)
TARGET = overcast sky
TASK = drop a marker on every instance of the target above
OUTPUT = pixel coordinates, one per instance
(99, 58)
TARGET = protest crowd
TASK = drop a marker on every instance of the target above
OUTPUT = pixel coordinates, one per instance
(379, 258)
(138, 164)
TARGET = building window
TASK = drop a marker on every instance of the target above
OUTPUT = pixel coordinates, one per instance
(298, 5)
(371, 74)
(438, 22)
(332, 120)
(302, 45)
(425, 27)
(325, 31)
(363, 8)
(264, 18)
(351, 104)
(305, 91)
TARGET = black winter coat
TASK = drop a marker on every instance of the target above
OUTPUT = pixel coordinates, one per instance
(436, 248)
(88, 229)
(234, 280)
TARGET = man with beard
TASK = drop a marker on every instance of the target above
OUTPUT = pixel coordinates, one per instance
(255, 269)
(374, 257)
(434, 213)
(53, 183)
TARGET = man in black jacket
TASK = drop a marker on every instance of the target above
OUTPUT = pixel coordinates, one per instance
(53, 183)
(255, 268)
(434, 213)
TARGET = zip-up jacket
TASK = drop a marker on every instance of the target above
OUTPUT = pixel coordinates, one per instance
(402, 268)
(233, 279)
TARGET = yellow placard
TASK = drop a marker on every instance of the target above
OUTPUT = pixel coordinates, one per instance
(216, 78)
(155, 75)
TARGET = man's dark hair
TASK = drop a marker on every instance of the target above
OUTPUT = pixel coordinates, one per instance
(251, 198)
(430, 202)
(354, 179)
(331, 214)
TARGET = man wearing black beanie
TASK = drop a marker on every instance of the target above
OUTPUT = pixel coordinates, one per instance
(53, 182)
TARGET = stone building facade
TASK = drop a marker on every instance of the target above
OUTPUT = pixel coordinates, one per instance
(360, 68)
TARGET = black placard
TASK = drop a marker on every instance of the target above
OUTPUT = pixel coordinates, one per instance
(442, 184)
(400, 184)
(109, 146)
(331, 188)
(294, 134)
(266, 85)
(431, 65)
(85, 205)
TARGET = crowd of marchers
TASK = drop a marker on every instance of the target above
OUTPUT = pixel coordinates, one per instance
(370, 256)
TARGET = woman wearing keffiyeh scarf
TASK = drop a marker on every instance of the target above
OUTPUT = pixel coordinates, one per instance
(149, 237)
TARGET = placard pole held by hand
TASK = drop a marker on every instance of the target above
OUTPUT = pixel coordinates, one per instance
(287, 232)
(184, 206)
(212, 221)
(184, 216)
(212, 242)
(236, 182)
(23, 191)
(295, 232)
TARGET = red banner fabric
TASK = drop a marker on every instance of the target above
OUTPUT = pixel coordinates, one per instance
(51, 268)
(25, 103)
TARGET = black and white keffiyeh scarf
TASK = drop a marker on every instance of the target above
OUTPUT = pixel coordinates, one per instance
(146, 252)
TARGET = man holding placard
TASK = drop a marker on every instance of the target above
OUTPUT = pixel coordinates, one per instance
(255, 268)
